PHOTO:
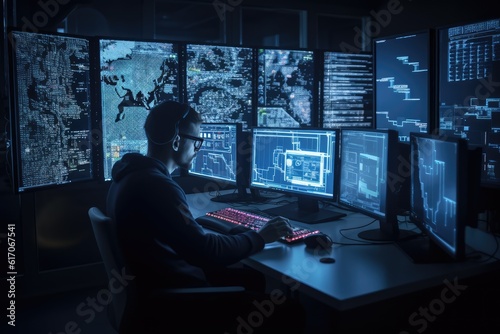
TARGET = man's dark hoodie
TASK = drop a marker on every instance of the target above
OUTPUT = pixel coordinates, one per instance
(162, 243)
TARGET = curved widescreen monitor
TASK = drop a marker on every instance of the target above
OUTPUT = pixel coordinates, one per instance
(300, 162)
(368, 165)
(219, 82)
(285, 88)
(134, 77)
(403, 71)
(468, 90)
(347, 90)
(51, 128)
(442, 196)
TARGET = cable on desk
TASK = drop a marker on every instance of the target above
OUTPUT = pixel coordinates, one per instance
(360, 242)
(489, 256)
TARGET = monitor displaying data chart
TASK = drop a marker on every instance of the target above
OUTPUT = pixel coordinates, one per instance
(217, 158)
(52, 107)
(443, 197)
(347, 90)
(224, 158)
(135, 76)
(403, 77)
(368, 166)
(469, 92)
(285, 88)
(219, 82)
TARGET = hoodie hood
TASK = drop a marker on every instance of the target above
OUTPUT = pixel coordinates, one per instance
(132, 162)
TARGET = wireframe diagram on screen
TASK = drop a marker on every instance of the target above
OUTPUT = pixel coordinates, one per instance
(219, 82)
(217, 158)
(285, 88)
(363, 171)
(135, 76)
(402, 84)
(52, 110)
(469, 92)
(294, 161)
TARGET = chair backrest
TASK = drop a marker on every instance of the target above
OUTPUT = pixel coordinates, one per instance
(105, 235)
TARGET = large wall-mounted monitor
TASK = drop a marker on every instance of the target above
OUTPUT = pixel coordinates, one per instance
(286, 88)
(368, 161)
(224, 158)
(347, 90)
(442, 196)
(219, 82)
(468, 90)
(134, 77)
(297, 161)
(403, 80)
(51, 128)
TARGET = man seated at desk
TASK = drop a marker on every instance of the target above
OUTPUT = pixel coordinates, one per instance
(161, 241)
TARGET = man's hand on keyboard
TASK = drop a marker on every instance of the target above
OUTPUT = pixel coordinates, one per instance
(274, 229)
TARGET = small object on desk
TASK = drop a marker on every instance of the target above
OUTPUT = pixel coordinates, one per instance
(327, 260)
(319, 240)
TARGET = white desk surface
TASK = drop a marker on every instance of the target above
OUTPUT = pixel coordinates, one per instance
(360, 275)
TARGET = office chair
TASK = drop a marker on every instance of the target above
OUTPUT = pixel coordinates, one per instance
(126, 304)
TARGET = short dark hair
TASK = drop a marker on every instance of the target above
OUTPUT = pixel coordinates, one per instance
(167, 119)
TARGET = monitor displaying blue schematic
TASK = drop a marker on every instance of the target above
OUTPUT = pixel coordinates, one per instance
(364, 170)
(298, 161)
(219, 82)
(403, 76)
(51, 110)
(135, 76)
(468, 93)
(347, 90)
(285, 88)
(217, 158)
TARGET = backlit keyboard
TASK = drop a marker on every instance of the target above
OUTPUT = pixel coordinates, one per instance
(255, 221)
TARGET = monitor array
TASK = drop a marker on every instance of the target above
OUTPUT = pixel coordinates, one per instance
(86, 98)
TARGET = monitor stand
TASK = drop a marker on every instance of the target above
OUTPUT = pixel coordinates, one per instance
(388, 231)
(305, 210)
(240, 196)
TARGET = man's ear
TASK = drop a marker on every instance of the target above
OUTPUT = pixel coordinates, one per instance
(176, 143)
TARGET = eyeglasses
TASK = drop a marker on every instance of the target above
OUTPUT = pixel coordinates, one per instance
(198, 141)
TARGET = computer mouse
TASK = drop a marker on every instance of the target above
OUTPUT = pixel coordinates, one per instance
(318, 241)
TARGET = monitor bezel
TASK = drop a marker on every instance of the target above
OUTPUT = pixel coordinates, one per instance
(432, 118)
(14, 153)
(312, 196)
(462, 213)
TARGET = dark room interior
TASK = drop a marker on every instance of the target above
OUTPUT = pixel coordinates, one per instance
(51, 260)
